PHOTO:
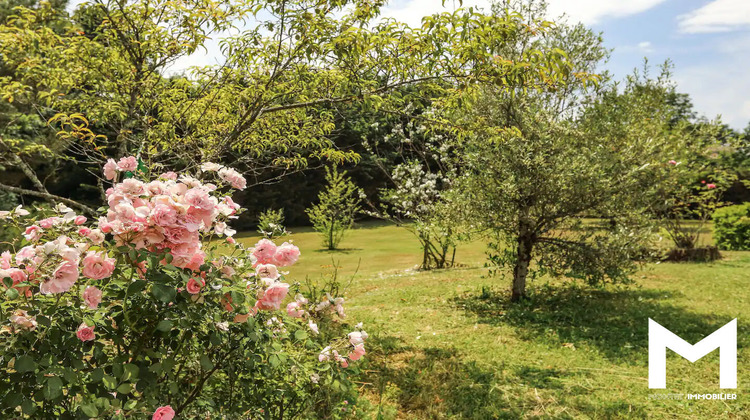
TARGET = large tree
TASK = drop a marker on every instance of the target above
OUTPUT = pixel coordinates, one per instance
(271, 104)
(544, 161)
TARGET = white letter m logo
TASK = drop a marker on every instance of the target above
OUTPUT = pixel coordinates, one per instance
(660, 339)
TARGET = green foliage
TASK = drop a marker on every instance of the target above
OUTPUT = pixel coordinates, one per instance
(270, 105)
(540, 163)
(336, 208)
(271, 224)
(732, 227)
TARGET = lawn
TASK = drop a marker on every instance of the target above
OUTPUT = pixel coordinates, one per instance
(446, 344)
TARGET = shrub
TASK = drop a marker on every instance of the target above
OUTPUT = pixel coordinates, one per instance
(338, 204)
(732, 227)
(144, 313)
(271, 224)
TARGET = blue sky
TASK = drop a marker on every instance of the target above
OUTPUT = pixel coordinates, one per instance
(707, 40)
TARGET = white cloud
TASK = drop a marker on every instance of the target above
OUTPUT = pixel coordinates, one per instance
(586, 11)
(594, 11)
(646, 47)
(717, 16)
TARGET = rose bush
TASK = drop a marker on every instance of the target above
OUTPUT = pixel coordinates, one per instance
(154, 310)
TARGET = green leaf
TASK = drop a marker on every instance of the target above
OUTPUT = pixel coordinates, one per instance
(163, 292)
(164, 325)
(11, 294)
(28, 407)
(25, 364)
(300, 335)
(110, 382)
(53, 388)
(131, 373)
(90, 410)
(97, 375)
(124, 388)
(206, 363)
(136, 286)
(273, 360)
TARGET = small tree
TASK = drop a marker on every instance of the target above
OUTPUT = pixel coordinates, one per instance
(338, 204)
(271, 224)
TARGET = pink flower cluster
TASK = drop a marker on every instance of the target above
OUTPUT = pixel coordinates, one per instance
(126, 164)
(56, 264)
(167, 214)
(356, 349)
(268, 257)
(284, 255)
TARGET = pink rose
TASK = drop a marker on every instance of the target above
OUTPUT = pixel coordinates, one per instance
(194, 286)
(313, 327)
(110, 169)
(673, 162)
(264, 251)
(234, 178)
(22, 319)
(286, 255)
(163, 215)
(271, 298)
(325, 355)
(359, 351)
(49, 222)
(62, 279)
(127, 164)
(294, 310)
(97, 266)
(85, 333)
(711, 186)
(92, 297)
(267, 271)
(131, 187)
(169, 175)
(32, 233)
(163, 413)
(5, 259)
(96, 236)
(357, 337)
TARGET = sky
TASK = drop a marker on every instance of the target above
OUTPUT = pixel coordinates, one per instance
(708, 42)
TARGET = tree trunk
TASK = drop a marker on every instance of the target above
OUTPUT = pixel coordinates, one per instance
(521, 268)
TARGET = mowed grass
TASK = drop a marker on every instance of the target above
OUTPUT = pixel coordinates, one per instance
(447, 344)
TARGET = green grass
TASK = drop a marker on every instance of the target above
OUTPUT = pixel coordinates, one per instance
(446, 344)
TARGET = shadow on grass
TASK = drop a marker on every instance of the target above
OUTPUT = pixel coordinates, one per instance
(438, 383)
(432, 383)
(615, 322)
(338, 250)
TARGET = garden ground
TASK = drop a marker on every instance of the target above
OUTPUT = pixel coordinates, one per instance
(446, 344)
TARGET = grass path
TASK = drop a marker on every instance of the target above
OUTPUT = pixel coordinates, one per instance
(447, 345)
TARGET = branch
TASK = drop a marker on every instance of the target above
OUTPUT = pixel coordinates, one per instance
(49, 197)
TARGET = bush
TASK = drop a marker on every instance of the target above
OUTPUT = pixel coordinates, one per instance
(271, 224)
(145, 313)
(732, 227)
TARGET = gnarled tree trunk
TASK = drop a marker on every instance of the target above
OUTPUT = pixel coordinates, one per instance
(524, 248)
